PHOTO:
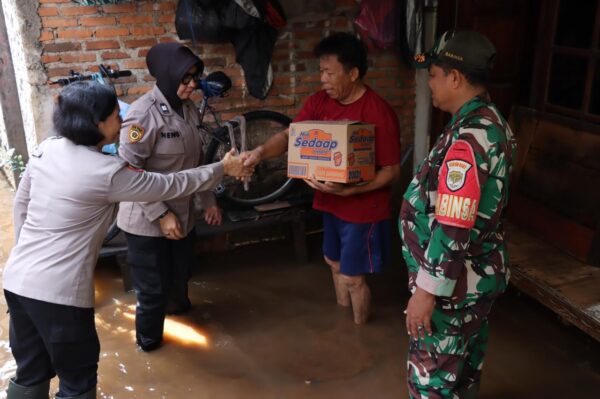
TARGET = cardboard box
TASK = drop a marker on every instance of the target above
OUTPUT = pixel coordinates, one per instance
(337, 151)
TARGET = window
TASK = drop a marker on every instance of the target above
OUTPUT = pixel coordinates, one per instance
(571, 62)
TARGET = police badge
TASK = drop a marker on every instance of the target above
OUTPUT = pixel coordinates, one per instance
(135, 133)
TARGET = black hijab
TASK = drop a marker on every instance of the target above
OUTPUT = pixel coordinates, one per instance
(168, 63)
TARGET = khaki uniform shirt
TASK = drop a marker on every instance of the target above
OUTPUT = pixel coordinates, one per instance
(62, 210)
(155, 138)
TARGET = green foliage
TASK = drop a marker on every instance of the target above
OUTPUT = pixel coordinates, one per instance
(9, 157)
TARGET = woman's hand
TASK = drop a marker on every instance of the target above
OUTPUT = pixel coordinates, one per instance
(213, 216)
(170, 226)
(234, 165)
(418, 313)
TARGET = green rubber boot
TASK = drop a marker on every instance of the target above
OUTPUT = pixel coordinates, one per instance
(16, 391)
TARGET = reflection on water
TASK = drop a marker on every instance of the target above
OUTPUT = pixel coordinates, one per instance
(262, 327)
(184, 334)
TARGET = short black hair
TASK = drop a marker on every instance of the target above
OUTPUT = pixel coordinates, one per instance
(80, 107)
(350, 51)
(476, 77)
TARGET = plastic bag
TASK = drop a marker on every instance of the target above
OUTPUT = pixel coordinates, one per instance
(377, 22)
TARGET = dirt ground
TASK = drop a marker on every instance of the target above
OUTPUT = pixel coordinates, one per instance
(263, 326)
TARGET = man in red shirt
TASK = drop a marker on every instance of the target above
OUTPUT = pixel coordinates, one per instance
(356, 226)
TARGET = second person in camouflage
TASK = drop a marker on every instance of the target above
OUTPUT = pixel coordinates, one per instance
(450, 223)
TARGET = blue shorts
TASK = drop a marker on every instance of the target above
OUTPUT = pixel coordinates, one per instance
(361, 248)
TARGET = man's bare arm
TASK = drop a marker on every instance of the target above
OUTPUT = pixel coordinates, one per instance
(274, 146)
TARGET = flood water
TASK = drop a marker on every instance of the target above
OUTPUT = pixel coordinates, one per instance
(263, 326)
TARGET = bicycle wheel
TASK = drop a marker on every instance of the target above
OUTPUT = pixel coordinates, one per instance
(270, 180)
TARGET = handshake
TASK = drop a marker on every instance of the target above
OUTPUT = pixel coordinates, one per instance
(239, 166)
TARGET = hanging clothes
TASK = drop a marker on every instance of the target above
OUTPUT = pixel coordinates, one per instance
(250, 25)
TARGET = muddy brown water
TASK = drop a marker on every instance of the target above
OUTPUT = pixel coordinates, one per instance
(263, 326)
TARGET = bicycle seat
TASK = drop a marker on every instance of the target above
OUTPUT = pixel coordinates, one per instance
(215, 84)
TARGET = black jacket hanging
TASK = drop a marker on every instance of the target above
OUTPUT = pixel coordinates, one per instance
(253, 36)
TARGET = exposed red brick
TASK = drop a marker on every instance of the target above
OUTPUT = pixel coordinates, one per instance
(78, 57)
(167, 40)
(118, 8)
(134, 64)
(114, 55)
(58, 22)
(47, 11)
(314, 77)
(78, 10)
(166, 6)
(46, 35)
(279, 100)
(166, 18)
(135, 19)
(112, 32)
(102, 45)
(48, 58)
(97, 21)
(54, 1)
(304, 89)
(55, 72)
(135, 43)
(75, 34)
(60, 47)
(147, 30)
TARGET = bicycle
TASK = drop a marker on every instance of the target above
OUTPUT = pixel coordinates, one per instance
(269, 182)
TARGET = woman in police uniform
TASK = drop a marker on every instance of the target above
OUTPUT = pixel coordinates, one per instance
(160, 134)
(62, 209)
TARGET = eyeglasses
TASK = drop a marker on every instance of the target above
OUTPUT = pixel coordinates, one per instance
(188, 77)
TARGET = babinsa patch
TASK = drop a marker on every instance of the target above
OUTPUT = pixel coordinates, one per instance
(135, 133)
(458, 189)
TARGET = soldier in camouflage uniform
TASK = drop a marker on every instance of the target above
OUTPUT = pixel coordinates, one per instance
(450, 224)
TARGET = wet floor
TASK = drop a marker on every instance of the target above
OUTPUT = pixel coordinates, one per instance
(263, 326)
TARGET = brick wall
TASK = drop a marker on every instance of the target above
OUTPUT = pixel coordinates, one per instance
(80, 37)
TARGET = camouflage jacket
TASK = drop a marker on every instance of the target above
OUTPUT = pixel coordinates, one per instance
(450, 222)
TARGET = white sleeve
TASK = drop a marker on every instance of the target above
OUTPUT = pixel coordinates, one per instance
(135, 185)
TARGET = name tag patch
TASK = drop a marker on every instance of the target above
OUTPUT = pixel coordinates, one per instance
(170, 135)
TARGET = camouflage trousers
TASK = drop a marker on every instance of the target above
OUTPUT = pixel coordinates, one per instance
(448, 364)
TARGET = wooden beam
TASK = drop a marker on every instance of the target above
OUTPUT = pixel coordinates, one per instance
(555, 302)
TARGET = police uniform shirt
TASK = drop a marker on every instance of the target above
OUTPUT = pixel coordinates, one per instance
(63, 207)
(155, 138)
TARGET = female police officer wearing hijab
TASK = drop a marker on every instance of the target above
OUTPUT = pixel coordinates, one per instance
(63, 207)
(160, 134)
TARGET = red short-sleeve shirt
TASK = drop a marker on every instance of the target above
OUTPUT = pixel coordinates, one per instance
(372, 206)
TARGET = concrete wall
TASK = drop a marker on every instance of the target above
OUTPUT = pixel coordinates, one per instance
(51, 37)
(24, 26)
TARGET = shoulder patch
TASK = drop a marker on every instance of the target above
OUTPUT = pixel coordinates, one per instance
(458, 187)
(136, 133)
(163, 108)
